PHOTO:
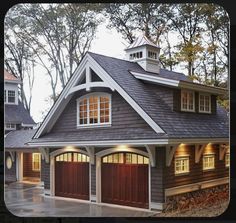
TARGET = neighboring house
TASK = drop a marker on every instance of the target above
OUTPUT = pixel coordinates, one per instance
(18, 130)
(16, 116)
(130, 133)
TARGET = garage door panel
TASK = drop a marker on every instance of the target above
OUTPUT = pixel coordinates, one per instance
(72, 178)
(124, 183)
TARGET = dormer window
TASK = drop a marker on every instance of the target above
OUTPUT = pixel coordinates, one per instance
(187, 100)
(204, 103)
(94, 110)
(137, 55)
(152, 55)
(10, 96)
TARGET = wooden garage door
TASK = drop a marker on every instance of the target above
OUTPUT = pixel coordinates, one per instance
(124, 179)
(72, 175)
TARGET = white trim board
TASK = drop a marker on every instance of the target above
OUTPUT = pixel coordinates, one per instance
(62, 101)
(157, 142)
(179, 83)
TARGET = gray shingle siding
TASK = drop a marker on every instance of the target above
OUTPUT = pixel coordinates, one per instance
(45, 174)
(126, 123)
(157, 172)
(17, 114)
(196, 173)
(93, 178)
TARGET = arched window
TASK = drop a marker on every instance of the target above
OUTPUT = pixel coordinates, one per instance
(94, 109)
(72, 157)
(125, 158)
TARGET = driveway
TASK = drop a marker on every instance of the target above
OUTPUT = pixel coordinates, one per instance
(28, 200)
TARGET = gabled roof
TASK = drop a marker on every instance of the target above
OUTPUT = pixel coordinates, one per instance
(141, 41)
(17, 139)
(8, 77)
(17, 114)
(151, 107)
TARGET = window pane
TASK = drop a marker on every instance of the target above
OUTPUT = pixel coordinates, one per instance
(140, 159)
(104, 159)
(116, 158)
(11, 96)
(145, 160)
(65, 157)
(181, 165)
(69, 157)
(109, 159)
(61, 157)
(36, 161)
(84, 158)
(208, 162)
(128, 158)
(79, 157)
(121, 158)
(75, 157)
(134, 158)
(57, 158)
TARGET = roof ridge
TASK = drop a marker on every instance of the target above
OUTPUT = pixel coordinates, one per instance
(112, 57)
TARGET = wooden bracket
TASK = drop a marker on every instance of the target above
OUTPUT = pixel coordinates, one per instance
(199, 151)
(152, 154)
(170, 151)
(222, 150)
(90, 151)
(12, 154)
(45, 154)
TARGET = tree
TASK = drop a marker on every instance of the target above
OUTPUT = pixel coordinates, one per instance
(20, 62)
(57, 34)
(127, 19)
(217, 24)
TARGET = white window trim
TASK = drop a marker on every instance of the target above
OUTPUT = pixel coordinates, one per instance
(98, 94)
(188, 91)
(36, 170)
(6, 95)
(204, 94)
(180, 158)
(208, 155)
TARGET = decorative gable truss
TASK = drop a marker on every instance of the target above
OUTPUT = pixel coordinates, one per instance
(82, 79)
(89, 83)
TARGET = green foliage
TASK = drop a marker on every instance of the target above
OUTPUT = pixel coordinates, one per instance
(201, 29)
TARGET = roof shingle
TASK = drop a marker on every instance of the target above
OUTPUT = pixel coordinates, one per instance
(175, 124)
(17, 114)
(18, 138)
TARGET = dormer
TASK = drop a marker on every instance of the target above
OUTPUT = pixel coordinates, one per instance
(11, 88)
(145, 53)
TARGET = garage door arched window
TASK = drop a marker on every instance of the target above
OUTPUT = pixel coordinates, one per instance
(72, 157)
(125, 158)
(94, 110)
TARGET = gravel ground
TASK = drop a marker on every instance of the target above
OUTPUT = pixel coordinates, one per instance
(199, 211)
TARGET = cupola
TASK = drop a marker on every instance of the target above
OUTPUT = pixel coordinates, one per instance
(145, 53)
